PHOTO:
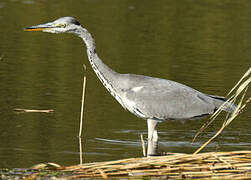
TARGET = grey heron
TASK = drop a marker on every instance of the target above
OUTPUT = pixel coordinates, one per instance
(150, 98)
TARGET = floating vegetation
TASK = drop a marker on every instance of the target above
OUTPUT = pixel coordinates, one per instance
(30, 174)
(35, 110)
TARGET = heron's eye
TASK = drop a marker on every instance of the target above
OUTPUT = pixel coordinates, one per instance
(61, 25)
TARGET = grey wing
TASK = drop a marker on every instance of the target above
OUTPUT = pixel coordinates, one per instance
(163, 99)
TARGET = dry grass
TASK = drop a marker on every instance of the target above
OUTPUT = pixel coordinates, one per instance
(223, 165)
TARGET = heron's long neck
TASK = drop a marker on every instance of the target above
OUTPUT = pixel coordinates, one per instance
(106, 75)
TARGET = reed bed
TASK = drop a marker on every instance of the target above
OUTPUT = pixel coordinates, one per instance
(219, 165)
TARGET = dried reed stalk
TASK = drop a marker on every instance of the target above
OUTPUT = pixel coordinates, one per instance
(80, 150)
(82, 118)
(82, 104)
(143, 145)
(35, 110)
(241, 88)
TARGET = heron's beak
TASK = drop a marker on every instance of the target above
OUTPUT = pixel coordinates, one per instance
(40, 27)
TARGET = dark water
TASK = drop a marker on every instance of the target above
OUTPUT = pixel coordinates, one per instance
(204, 44)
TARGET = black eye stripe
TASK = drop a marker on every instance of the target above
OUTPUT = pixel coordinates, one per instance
(76, 23)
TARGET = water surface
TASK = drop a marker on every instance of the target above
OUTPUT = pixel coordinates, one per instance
(203, 44)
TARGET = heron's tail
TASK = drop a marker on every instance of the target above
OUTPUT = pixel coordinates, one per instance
(219, 100)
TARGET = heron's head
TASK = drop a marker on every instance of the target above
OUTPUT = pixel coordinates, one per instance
(61, 25)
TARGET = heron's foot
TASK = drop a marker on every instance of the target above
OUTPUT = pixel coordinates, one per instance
(153, 155)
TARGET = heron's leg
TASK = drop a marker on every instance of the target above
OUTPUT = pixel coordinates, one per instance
(152, 130)
(152, 146)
